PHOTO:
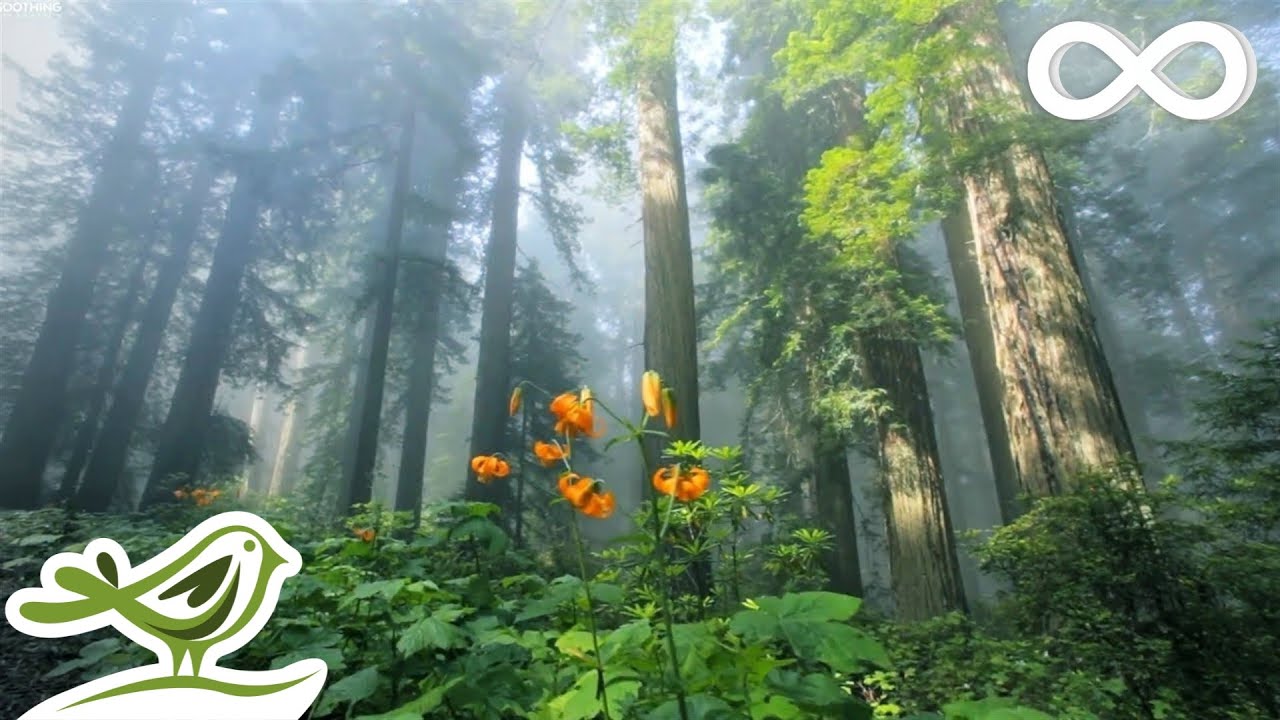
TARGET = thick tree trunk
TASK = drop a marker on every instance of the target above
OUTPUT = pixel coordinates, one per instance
(181, 444)
(834, 500)
(670, 327)
(1128, 386)
(111, 451)
(38, 409)
(88, 429)
(1059, 403)
(493, 368)
(922, 552)
(357, 486)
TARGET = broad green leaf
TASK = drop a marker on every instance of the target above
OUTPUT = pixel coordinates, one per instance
(814, 689)
(90, 654)
(429, 632)
(575, 643)
(992, 708)
(819, 606)
(350, 689)
(700, 707)
(426, 703)
(608, 593)
(385, 589)
(331, 656)
(627, 637)
(582, 701)
(842, 647)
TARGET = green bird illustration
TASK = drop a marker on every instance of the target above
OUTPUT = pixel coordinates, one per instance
(207, 595)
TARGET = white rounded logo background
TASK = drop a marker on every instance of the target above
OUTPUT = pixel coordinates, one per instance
(1141, 70)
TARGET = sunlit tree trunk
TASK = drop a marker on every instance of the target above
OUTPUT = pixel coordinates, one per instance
(493, 367)
(181, 443)
(922, 552)
(37, 411)
(357, 485)
(111, 451)
(670, 326)
(257, 436)
(1059, 404)
(288, 445)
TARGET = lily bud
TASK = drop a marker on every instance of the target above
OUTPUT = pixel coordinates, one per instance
(651, 393)
(513, 405)
(669, 407)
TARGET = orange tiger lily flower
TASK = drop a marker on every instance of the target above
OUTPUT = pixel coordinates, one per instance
(574, 414)
(365, 534)
(651, 393)
(582, 493)
(488, 467)
(549, 453)
(681, 484)
(513, 405)
(575, 488)
(600, 505)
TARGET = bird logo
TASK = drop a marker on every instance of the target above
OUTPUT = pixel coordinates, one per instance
(203, 597)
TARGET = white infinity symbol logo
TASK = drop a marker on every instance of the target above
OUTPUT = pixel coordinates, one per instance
(1141, 70)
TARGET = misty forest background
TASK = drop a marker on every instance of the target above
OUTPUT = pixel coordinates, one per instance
(1014, 382)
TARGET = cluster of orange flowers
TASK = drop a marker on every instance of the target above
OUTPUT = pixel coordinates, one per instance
(365, 534)
(201, 496)
(575, 416)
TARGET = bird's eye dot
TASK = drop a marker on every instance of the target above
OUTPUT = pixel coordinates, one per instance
(249, 545)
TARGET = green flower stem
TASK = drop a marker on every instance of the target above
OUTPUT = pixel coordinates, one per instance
(659, 558)
(591, 619)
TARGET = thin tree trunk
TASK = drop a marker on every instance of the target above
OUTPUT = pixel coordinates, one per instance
(357, 486)
(38, 409)
(426, 335)
(493, 367)
(922, 552)
(357, 373)
(431, 275)
(111, 451)
(287, 445)
(257, 410)
(88, 429)
(1059, 403)
(181, 444)
(834, 503)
